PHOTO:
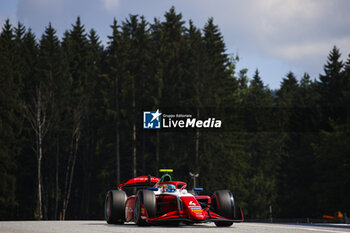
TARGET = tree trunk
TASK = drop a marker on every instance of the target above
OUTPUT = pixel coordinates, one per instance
(40, 154)
(36, 113)
(89, 144)
(44, 199)
(71, 164)
(134, 150)
(197, 143)
(134, 129)
(118, 156)
(68, 168)
(40, 213)
(197, 147)
(117, 128)
(57, 189)
(157, 153)
(143, 153)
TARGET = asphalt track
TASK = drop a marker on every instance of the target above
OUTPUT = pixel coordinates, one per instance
(101, 227)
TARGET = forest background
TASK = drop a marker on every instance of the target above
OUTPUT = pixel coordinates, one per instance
(71, 121)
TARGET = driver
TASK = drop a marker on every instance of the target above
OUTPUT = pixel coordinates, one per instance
(165, 178)
(168, 188)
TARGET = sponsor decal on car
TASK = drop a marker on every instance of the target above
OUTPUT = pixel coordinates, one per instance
(196, 211)
(192, 203)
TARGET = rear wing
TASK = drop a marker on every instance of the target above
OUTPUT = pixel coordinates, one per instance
(140, 181)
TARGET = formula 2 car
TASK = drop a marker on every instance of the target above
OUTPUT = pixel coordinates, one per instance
(163, 201)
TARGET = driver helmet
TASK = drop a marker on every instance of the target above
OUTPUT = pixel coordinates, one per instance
(171, 188)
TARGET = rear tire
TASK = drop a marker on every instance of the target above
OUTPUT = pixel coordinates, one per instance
(148, 200)
(115, 207)
(223, 204)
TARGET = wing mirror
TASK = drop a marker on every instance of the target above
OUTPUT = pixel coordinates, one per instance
(198, 189)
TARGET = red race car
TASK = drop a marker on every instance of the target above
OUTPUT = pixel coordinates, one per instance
(164, 201)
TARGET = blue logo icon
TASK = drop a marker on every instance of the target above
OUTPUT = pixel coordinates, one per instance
(151, 119)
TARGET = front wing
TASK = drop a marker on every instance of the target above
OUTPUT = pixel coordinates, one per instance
(182, 216)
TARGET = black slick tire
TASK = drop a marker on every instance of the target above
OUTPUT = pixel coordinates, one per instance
(115, 207)
(223, 204)
(148, 200)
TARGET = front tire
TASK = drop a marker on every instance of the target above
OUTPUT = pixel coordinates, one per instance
(223, 204)
(115, 207)
(147, 199)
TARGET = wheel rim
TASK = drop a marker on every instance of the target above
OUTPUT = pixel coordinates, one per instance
(107, 207)
(136, 209)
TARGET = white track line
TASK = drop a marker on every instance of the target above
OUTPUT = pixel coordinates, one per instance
(301, 228)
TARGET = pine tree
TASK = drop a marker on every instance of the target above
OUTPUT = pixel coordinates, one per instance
(50, 73)
(171, 52)
(140, 82)
(9, 122)
(332, 169)
(90, 122)
(129, 36)
(257, 82)
(346, 78)
(195, 70)
(36, 108)
(19, 53)
(217, 69)
(75, 47)
(263, 145)
(331, 82)
(331, 148)
(156, 45)
(114, 63)
(287, 99)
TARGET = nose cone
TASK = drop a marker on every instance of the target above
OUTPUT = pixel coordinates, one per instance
(194, 210)
(195, 213)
